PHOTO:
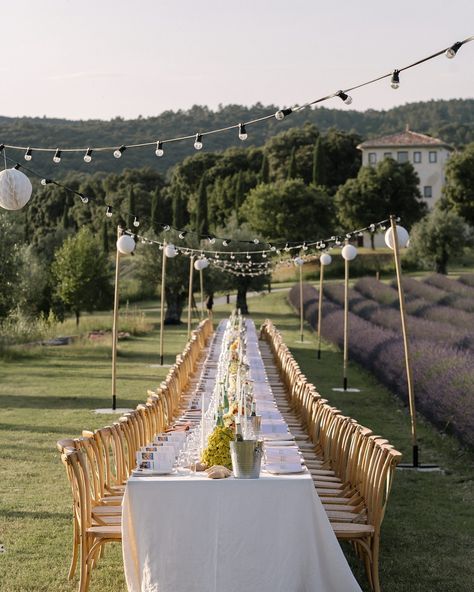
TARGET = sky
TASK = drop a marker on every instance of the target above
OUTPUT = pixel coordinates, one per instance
(101, 59)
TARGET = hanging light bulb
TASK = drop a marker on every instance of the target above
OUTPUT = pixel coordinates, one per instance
(166, 227)
(159, 149)
(84, 198)
(88, 155)
(136, 222)
(232, 256)
(248, 256)
(256, 241)
(57, 156)
(395, 80)
(28, 154)
(45, 181)
(453, 50)
(182, 234)
(344, 97)
(243, 135)
(264, 255)
(282, 113)
(225, 243)
(198, 142)
(211, 239)
(118, 153)
(108, 212)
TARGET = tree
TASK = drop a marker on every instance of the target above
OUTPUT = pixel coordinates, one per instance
(459, 188)
(377, 192)
(265, 170)
(105, 237)
(81, 272)
(289, 210)
(437, 237)
(319, 169)
(202, 222)
(11, 264)
(292, 173)
(131, 207)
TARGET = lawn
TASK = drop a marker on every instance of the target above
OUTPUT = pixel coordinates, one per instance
(50, 393)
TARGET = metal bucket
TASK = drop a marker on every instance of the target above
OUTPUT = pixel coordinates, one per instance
(246, 458)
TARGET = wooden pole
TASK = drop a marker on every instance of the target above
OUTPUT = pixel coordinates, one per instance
(346, 322)
(201, 282)
(406, 344)
(301, 303)
(162, 308)
(320, 306)
(115, 325)
(190, 294)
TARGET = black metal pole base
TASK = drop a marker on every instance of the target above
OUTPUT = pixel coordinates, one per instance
(345, 383)
(161, 360)
(114, 402)
(416, 464)
(319, 354)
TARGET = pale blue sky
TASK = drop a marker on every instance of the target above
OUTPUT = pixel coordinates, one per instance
(103, 58)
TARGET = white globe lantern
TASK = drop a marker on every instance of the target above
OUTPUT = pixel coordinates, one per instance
(349, 252)
(197, 265)
(125, 244)
(325, 259)
(201, 264)
(15, 189)
(402, 234)
(298, 261)
(204, 263)
(170, 251)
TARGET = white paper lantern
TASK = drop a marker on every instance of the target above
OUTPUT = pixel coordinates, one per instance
(403, 237)
(349, 252)
(204, 263)
(298, 261)
(126, 244)
(170, 251)
(325, 259)
(15, 189)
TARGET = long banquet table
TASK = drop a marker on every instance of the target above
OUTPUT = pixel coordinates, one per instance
(195, 534)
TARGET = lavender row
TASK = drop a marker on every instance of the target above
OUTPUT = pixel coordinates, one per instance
(443, 375)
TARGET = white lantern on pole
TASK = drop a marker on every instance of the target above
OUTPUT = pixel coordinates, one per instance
(403, 237)
(204, 263)
(349, 252)
(125, 244)
(200, 264)
(325, 259)
(170, 251)
(15, 189)
(298, 261)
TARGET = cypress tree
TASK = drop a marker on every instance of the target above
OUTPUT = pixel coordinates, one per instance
(238, 195)
(155, 211)
(265, 170)
(202, 221)
(178, 209)
(105, 237)
(319, 173)
(131, 207)
(292, 174)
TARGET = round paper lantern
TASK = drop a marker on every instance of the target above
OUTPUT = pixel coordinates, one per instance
(170, 251)
(349, 252)
(204, 263)
(298, 261)
(403, 237)
(201, 264)
(15, 189)
(325, 259)
(126, 244)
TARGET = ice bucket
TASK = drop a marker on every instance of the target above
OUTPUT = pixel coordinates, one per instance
(246, 458)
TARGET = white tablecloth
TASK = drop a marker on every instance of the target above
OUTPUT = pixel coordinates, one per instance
(194, 534)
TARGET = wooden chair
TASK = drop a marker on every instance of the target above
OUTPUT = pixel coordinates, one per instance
(92, 537)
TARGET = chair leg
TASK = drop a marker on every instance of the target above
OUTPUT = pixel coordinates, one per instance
(375, 564)
(75, 548)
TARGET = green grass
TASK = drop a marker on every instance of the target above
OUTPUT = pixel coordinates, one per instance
(49, 393)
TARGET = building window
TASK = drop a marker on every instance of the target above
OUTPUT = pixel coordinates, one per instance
(427, 191)
(387, 155)
(417, 157)
(372, 157)
(402, 156)
(433, 157)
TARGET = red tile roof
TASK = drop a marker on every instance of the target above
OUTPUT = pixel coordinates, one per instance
(405, 138)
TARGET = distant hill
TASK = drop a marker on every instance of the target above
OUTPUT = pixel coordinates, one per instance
(452, 120)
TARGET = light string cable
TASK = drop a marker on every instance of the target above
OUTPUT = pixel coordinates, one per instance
(88, 151)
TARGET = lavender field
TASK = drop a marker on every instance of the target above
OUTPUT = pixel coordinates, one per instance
(441, 330)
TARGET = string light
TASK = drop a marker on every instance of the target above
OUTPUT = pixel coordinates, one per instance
(84, 198)
(344, 97)
(226, 242)
(136, 222)
(108, 212)
(243, 135)
(395, 80)
(159, 149)
(453, 50)
(119, 151)
(45, 181)
(28, 154)
(182, 234)
(282, 113)
(198, 142)
(57, 156)
(88, 155)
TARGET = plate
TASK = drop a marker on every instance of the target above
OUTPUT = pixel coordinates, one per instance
(291, 469)
(150, 473)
